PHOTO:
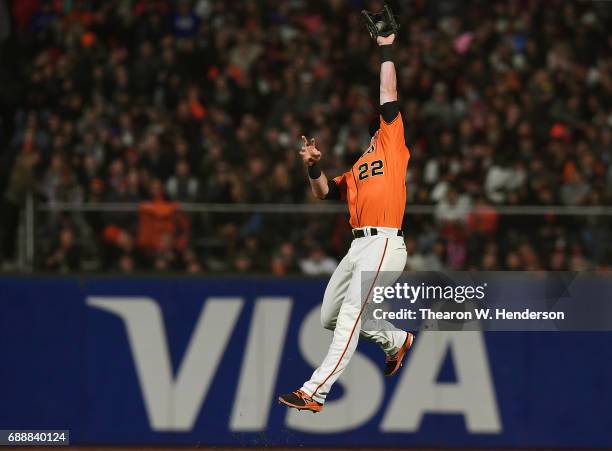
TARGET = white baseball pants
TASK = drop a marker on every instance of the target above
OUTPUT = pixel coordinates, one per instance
(380, 259)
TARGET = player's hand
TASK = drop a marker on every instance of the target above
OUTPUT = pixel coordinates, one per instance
(309, 152)
(386, 40)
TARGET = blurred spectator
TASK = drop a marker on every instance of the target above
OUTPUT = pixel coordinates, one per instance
(415, 260)
(435, 260)
(162, 102)
(575, 190)
(317, 263)
(65, 255)
(21, 182)
(162, 229)
(482, 219)
(181, 186)
(126, 264)
(284, 260)
(502, 180)
(453, 209)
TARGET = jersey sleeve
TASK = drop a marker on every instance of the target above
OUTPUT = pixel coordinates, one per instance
(392, 134)
(340, 181)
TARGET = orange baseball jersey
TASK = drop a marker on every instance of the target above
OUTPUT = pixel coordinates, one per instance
(375, 187)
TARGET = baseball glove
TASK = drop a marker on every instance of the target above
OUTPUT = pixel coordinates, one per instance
(381, 23)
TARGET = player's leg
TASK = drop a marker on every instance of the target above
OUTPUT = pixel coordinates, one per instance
(335, 292)
(393, 341)
(382, 332)
(348, 323)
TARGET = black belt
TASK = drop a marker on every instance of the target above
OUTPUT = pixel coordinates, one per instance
(360, 233)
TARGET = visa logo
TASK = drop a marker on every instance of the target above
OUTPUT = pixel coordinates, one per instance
(173, 402)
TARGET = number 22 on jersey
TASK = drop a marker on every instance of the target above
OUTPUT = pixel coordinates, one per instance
(370, 170)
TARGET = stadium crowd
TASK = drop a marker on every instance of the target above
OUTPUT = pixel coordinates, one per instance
(160, 102)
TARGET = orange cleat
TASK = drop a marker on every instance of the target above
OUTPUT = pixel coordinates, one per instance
(394, 362)
(301, 401)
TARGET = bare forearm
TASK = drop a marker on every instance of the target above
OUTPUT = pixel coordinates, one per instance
(319, 186)
(388, 82)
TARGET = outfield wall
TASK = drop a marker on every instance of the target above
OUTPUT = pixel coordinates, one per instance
(187, 361)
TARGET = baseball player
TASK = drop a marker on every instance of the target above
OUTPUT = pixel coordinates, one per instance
(375, 190)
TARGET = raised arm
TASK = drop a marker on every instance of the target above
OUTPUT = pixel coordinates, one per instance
(388, 79)
(311, 155)
(391, 130)
(321, 187)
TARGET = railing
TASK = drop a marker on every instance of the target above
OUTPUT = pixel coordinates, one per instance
(502, 210)
(27, 245)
